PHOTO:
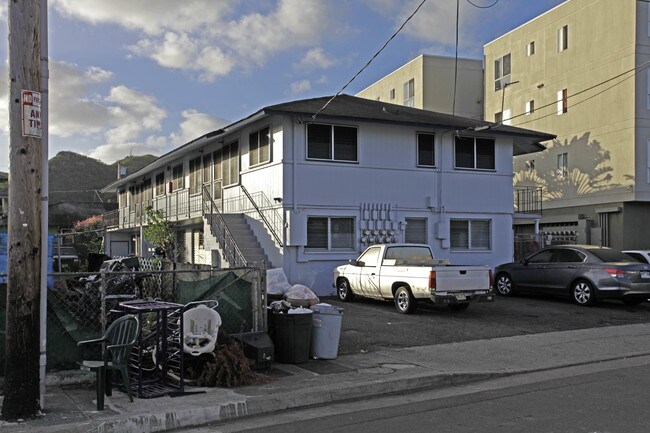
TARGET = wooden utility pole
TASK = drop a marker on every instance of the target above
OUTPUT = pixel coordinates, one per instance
(21, 390)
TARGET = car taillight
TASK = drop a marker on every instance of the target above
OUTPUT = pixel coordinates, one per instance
(491, 280)
(616, 273)
(432, 279)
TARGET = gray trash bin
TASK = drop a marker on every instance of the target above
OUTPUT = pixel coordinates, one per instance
(325, 331)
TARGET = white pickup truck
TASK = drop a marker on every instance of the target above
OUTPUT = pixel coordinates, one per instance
(408, 273)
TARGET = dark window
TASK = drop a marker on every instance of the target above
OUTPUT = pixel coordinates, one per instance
(160, 184)
(330, 233)
(338, 143)
(426, 150)
(416, 231)
(178, 180)
(475, 153)
(195, 176)
(260, 147)
(541, 257)
(470, 234)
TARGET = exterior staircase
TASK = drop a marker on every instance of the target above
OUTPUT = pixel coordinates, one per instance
(245, 238)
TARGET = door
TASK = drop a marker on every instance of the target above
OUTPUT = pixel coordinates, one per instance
(531, 274)
(564, 265)
(366, 278)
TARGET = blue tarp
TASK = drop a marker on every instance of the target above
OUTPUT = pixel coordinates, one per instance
(3, 257)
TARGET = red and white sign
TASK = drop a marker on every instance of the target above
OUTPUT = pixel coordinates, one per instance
(31, 103)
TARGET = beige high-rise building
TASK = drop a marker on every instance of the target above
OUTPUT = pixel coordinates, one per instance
(581, 71)
(427, 82)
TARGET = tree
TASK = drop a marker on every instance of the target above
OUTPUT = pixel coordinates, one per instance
(160, 233)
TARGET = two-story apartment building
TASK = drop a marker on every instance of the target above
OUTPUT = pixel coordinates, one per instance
(306, 185)
(581, 71)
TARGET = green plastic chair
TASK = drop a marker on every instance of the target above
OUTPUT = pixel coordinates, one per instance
(120, 337)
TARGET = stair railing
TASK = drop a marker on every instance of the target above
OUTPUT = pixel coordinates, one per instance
(268, 207)
(220, 230)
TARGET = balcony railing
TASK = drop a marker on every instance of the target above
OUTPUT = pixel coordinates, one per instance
(528, 200)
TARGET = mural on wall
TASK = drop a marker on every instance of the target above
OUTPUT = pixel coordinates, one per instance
(567, 169)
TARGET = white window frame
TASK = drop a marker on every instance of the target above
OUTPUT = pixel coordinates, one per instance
(563, 38)
(530, 107)
(391, 94)
(409, 93)
(562, 102)
(562, 165)
(473, 240)
(530, 48)
(330, 243)
(501, 73)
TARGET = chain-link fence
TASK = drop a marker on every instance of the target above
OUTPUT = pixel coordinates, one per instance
(81, 305)
(526, 244)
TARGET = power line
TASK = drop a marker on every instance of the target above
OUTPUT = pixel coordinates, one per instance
(371, 59)
(635, 70)
(486, 7)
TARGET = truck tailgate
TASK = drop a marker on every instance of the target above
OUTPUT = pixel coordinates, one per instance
(460, 278)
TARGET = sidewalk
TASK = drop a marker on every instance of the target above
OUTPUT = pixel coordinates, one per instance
(70, 408)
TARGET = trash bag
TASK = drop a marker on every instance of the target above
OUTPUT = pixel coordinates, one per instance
(276, 282)
(300, 296)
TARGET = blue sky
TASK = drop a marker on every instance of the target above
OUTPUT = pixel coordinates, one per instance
(146, 76)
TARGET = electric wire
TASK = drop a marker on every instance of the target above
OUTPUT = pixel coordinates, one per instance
(635, 70)
(486, 7)
(371, 59)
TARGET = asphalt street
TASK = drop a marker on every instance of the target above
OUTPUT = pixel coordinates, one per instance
(375, 325)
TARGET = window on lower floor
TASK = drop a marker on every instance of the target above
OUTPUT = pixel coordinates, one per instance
(470, 234)
(416, 231)
(474, 153)
(330, 233)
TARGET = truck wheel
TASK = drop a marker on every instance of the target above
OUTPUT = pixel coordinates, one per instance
(343, 290)
(459, 307)
(404, 301)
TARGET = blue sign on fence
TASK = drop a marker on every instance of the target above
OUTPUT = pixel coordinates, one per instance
(4, 239)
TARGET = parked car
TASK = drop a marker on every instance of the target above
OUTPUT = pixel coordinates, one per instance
(642, 256)
(408, 274)
(586, 273)
(65, 259)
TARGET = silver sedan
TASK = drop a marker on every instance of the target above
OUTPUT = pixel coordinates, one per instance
(586, 273)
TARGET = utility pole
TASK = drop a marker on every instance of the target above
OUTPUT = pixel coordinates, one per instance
(21, 390)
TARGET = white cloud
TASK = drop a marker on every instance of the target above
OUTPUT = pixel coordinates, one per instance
(207, 37)
(315, 58)
(298, 87)
(194, 125)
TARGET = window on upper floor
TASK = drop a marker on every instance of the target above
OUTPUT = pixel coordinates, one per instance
(470, 234)
(501, 72)
(426, 150)
(160, 184)
(530, 107)
(498, 117)
(207, 168)
(562, 101)
(178, 179)
(230, 164)
(331, 142)
(391, 94)
(147, 194)
(474, 153)
(217, 164)
(530, 48)
(260, 147)
(506, 117)
(195, 175)
(330, 233)
(409, 93)
(122, 199)
(530, 165)
(562, 170)
(563, 38)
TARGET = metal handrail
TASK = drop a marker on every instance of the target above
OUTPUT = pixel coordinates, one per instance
(269, 206)
(221, 231)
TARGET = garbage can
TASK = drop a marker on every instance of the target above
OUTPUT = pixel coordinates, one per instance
(326, 331)
(292, 335)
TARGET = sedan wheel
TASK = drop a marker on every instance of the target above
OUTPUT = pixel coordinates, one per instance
(343, 290)
(404, 302)
(582, 293)
(504, 285)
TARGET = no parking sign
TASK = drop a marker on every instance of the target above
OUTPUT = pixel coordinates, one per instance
(31, 113)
